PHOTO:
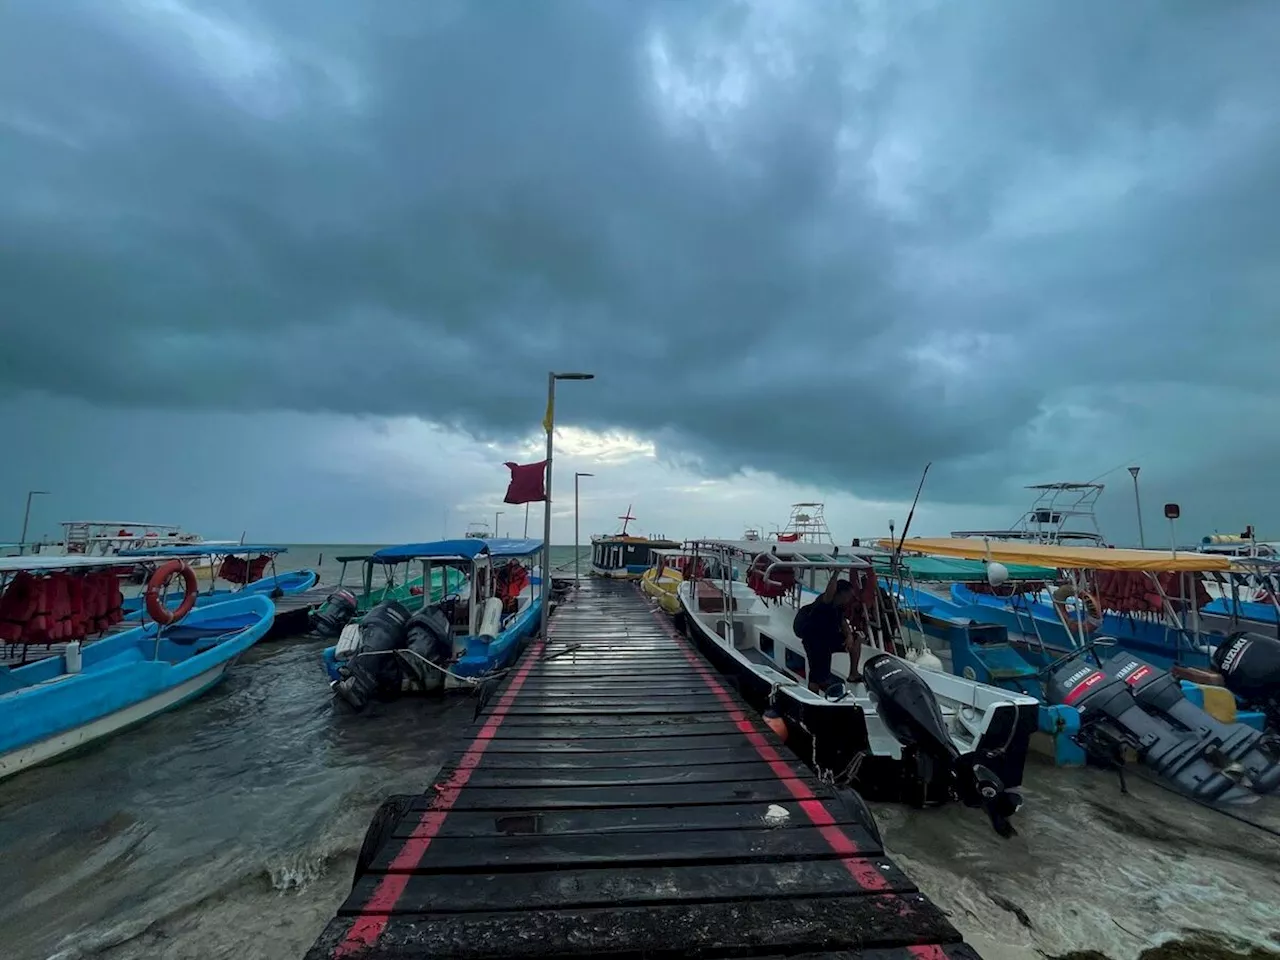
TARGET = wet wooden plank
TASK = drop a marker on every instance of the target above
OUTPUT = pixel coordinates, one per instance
(621, 757)
(666, 931)
(450, 855)
(553, 798)
(642, 885)
(623, 775)
(606, 820)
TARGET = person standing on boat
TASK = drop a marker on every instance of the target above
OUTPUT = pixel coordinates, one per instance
(823, 627)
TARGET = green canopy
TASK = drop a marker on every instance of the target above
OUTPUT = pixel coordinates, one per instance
(954, 570)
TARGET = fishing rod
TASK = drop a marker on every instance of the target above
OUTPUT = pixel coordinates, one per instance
(897, 552)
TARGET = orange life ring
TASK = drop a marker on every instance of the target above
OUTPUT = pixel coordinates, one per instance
(1092, 609)
(155, 592)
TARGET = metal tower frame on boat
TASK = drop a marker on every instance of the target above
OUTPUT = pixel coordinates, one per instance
(1061, 513)
(807, 524)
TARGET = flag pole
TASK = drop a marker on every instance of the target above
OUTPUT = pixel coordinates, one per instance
(548, 423)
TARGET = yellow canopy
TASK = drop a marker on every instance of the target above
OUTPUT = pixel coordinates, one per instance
(1064, 558)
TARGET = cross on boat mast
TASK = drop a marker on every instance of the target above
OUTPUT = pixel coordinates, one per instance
(626, 518)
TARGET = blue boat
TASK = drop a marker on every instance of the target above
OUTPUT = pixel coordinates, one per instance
(67, 701)
(273, 585)
(1010, 640)
(475, 634)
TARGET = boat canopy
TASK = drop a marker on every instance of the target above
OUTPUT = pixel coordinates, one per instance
(467, 548)
(464, 549)
(35, 563)
(798, 549)
(796, 553)
(1065, 558)
(204, 550)
(954, 570)
(515, 547)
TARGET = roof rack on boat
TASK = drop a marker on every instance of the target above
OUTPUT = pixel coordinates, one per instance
(38, 563)
(807, 556)
(204, 550)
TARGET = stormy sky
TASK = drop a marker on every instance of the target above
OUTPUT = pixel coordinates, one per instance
(300, 268)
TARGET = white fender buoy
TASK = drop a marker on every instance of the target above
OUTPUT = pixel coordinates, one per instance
(997, 573)
(490, 618)
(928, 660)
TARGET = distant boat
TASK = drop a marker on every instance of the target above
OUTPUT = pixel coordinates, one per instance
(236, 563)
(626, 556)
(86, 692)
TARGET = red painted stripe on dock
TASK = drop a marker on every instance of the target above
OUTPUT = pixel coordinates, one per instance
(367, 927)
(864, 873)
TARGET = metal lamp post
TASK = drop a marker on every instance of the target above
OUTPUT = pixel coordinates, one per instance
(549, 423)
(1142, 538)
(26, 516)
(575, 526)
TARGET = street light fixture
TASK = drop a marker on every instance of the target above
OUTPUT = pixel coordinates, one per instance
(26, 516)
(575, 526)
(549, 424)
(1142, 537)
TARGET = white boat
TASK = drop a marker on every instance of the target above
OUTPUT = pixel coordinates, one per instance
(744, 626)
(107, 538)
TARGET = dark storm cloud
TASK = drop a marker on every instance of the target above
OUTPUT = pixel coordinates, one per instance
(830, 240)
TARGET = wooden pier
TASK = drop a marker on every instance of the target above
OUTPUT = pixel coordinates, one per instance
(615, 799)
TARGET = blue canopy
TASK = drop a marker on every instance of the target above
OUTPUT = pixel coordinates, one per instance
(204, 550)
(468, 549)
(503, 547)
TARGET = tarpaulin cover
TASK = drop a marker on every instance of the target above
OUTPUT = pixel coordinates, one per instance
(1065, 558)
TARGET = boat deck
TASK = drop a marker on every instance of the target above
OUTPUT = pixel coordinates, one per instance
(292, 612)
(616, 800)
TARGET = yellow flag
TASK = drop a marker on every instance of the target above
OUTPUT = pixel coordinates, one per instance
(551, 413)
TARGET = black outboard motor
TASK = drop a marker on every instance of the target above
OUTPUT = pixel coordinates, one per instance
(1111, 720)
(1250, 668)
(1242, 751)
(430, 640)
(336, 612)
(909, 709)
(372, 671)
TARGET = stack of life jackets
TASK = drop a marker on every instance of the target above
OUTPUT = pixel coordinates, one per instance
(238, 570)
(59, 607)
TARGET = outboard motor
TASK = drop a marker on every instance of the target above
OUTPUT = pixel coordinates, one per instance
(336, 612)
(1242, 752)
(1111, 720)
(1250, 668)
(909, 709)
(430, 642)
(373, 671)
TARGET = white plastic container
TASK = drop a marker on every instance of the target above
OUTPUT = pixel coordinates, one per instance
(72, 656)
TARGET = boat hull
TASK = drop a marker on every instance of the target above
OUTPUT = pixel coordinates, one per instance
(51, 748)
(121, 680)
(662, 591)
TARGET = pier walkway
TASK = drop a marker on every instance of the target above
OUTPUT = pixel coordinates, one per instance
(615, 799)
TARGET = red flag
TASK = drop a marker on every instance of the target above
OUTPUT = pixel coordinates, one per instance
(528, 482)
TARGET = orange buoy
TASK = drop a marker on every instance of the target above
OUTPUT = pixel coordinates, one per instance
(776, 724)
(155, 592)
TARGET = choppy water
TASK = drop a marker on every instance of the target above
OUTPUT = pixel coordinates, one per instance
(229, 829)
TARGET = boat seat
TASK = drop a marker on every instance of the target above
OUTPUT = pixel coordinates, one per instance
(711, 599)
